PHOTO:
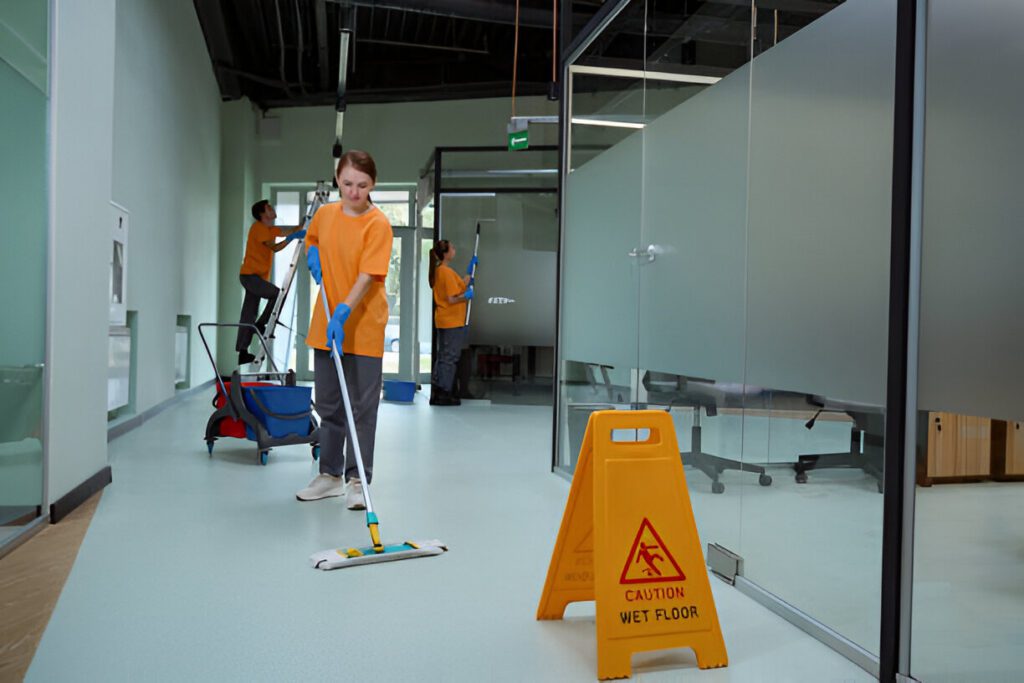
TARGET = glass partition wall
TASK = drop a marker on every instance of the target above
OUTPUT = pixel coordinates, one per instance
(24, 76)
(725, 257)
(510, 199)
(967, 596)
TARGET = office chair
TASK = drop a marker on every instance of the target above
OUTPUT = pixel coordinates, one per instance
(866, 441)
(676, 390)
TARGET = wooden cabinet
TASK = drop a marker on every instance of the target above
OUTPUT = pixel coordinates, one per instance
(959, 447)
(1015, 448)
(1008, 450)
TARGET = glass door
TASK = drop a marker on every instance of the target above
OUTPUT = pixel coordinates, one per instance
(601, 249)
(400, 336)
(23, 264)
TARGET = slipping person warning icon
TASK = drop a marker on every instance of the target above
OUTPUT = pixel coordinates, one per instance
(645, 556)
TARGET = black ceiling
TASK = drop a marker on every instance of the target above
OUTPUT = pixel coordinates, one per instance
(282, 53)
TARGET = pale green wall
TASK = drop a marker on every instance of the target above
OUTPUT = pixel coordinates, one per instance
(237, 193)
(24, 39)
(167, 174)
(399, 136)
(82, 78)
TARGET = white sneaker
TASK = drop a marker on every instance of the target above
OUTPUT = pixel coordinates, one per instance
(354, 493)
(322, 486)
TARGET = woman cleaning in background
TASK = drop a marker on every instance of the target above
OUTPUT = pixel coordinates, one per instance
(349, 250)
(451, 293)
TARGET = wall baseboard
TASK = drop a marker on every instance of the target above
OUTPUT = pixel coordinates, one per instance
(136, 421)
(78, 495)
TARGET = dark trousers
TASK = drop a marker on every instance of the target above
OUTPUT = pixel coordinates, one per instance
(449, 347)
(363, 375)
(256, 288)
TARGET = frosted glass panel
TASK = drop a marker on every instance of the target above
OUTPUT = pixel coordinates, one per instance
(820, 183)
(602, 216)
(692, 295)
(972, 320)
(514, 303)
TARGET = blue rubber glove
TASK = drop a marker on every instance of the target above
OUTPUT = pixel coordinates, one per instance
(313, 261)
(468, 293)
(472, 262)
(298, 235)
(336, 326)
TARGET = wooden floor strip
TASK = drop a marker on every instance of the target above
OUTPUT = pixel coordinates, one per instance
(31, 579)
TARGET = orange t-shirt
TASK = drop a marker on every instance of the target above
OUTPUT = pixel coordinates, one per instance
(259, 258)
(448, 283)
(350, 245)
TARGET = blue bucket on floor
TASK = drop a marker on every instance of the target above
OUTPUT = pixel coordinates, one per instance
(283, 411)
(402, 392)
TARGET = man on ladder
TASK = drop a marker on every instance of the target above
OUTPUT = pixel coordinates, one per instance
(254, 274)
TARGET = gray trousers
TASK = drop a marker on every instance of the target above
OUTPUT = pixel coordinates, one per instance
(363, 375)
(256, 288)
(449, 347)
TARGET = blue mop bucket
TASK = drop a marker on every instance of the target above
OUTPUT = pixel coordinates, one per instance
(283, 411)
(401, 392)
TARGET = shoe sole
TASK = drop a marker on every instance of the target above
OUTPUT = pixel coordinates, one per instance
(357, 506)
(319, 497)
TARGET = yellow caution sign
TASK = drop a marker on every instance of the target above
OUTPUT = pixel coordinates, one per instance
(628, 540)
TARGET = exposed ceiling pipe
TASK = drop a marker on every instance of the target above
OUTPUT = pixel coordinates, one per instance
(280, 39)
(301, 47)
(490, 11)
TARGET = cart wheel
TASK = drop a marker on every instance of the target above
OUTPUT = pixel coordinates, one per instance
(263, 457)
(801, 477)
(209, 447)
(765, 480)
(717, 487)
(316, 452)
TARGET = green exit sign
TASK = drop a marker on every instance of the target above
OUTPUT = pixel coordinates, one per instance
(518, 140)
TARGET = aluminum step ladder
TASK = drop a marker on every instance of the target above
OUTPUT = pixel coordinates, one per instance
(320, 197)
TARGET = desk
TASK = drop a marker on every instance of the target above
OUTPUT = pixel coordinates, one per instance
(488, 365)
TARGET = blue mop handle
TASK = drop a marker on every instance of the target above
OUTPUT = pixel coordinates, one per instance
(472, 274)
(371, 518)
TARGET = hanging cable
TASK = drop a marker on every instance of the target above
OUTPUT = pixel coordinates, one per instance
(515, 61)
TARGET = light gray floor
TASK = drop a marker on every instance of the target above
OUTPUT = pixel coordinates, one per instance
(195, 568)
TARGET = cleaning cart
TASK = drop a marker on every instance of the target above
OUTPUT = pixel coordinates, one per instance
(265, 407)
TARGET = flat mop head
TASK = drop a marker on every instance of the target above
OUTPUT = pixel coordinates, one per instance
(340, 558)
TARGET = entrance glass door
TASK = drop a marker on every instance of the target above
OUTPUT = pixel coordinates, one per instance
(601, 242)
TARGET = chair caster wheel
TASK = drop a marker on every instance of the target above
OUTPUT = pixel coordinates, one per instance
(717, 487)
(765, 480)
(801, 477)
(264, 456)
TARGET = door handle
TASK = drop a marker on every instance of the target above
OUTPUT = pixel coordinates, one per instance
(648, 253)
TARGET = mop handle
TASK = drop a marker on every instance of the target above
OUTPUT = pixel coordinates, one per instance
(353, 437)
(472, 274)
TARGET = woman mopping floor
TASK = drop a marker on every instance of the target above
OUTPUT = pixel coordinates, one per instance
(349, 253)
(349, 250)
